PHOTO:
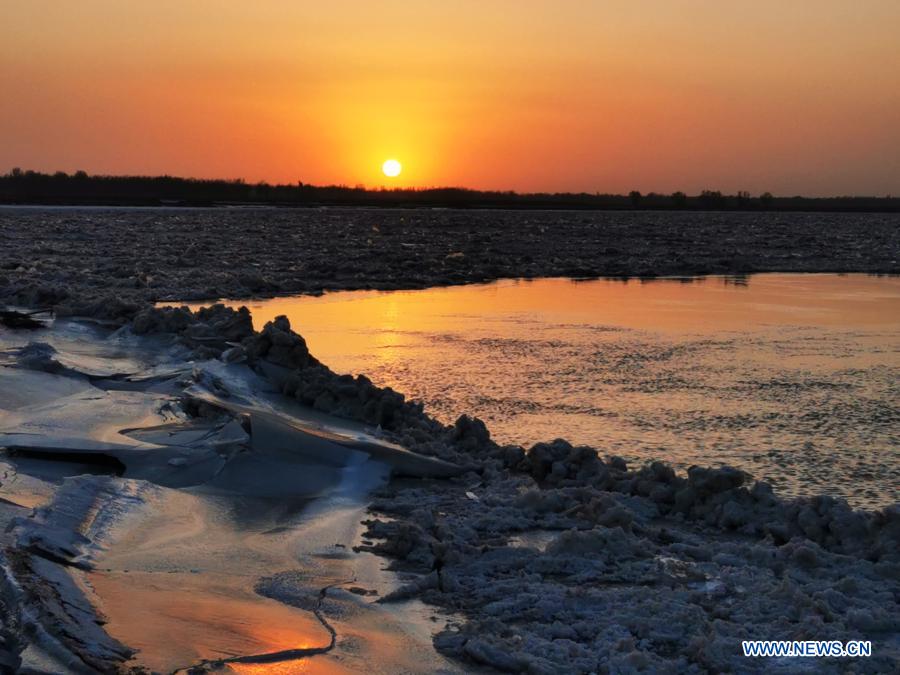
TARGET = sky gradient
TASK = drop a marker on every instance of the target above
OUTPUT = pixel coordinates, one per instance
(799, 97)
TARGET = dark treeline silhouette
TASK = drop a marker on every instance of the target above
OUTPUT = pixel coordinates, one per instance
(31, 187)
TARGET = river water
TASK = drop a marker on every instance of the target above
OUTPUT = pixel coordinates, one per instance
(791, 377)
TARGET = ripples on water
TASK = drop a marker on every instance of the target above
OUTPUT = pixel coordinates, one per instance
(793, 378)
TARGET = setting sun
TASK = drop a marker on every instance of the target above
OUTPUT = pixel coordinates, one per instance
(391, 168)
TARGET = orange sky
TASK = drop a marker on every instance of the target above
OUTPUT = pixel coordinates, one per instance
(798, 96)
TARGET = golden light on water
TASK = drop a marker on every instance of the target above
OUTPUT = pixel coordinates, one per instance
(391, 168)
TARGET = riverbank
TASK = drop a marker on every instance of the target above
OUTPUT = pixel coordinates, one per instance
(553, 558)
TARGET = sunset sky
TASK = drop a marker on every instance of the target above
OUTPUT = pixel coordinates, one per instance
(790, 96)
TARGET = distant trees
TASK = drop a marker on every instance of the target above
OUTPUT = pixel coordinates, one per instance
(712, 199)
(31, 187)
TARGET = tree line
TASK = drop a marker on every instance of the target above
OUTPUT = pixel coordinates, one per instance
(80, 188)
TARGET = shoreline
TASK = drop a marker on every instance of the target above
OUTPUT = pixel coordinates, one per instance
(711, 539)
(687, 369)
(680, 278)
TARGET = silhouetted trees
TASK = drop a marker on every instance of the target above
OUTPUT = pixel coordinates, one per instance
(712, 199)
(30, 187)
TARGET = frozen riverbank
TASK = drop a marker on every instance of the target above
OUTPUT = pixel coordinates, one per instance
(98, 261)
(554, 559)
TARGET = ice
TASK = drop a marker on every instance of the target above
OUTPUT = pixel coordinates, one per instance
(164, 494)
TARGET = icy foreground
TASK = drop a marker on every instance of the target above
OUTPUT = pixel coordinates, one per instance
(547, 560)
(170, 512)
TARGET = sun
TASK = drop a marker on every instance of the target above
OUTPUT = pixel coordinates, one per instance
(391, 168)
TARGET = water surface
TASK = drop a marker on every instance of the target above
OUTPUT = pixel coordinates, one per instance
(791, 377)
